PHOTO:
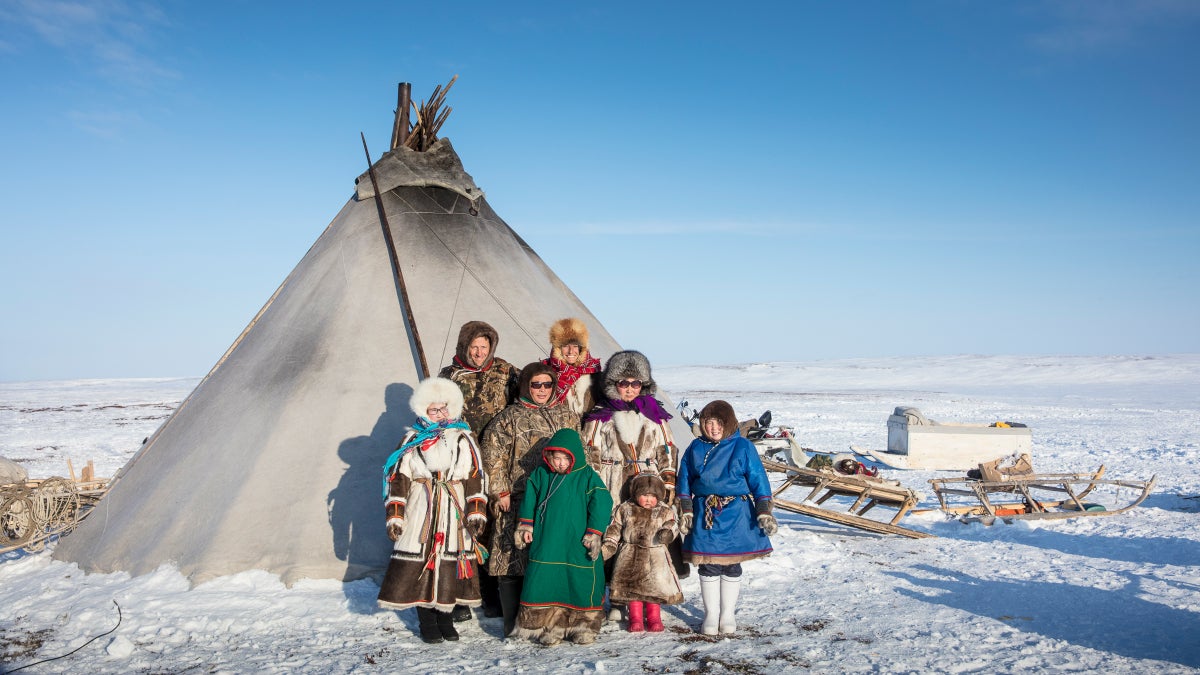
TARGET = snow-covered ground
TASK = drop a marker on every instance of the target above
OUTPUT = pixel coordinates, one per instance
(1118, 594)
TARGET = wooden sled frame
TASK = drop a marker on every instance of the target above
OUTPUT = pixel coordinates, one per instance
(36, 511)
(1069, 488)
(867, 493)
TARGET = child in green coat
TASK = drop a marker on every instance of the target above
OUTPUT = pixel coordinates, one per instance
(563, 516)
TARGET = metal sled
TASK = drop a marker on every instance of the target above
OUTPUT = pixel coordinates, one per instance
(1035, 496)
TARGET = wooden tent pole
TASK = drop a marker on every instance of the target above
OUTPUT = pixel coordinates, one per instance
(391, 247)
(400, 125)
(405, 105)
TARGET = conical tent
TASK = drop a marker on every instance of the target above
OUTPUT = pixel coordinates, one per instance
(274, 461)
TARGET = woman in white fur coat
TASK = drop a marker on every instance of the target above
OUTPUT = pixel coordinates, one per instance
(628, 434)
(436, 504)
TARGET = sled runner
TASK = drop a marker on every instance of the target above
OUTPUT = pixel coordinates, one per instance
(33, 512)
(1033, 496)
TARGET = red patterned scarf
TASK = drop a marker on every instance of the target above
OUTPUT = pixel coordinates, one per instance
(568, 375)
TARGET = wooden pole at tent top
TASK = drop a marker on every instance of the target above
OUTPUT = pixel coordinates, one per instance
(400, 125)
(391, 247)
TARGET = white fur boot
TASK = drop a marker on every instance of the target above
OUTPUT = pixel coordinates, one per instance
(730, 588)
(710, 593)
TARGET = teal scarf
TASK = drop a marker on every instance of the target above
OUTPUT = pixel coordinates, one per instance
(426, 434)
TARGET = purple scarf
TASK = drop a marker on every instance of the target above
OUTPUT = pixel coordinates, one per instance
(647, 405)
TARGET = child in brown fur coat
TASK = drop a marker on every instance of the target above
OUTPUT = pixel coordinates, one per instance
(643, 577)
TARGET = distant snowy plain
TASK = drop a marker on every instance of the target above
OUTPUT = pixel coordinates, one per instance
(1116, 594)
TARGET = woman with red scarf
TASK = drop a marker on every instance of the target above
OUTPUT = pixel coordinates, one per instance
(573, 364)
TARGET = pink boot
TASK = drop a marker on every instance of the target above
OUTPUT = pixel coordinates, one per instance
(635, 617)
(653, 618)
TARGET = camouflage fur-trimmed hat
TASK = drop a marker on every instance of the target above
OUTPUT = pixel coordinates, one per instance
(475, 329)
(527, 375)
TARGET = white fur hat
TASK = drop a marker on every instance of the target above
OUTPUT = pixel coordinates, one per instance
(436, 390)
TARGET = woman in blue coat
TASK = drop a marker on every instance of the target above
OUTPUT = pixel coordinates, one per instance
(725, 505)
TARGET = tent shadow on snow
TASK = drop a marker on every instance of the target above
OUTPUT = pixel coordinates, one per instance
(1116, 621)
(357, 533)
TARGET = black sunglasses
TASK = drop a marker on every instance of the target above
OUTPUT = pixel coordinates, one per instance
(540, 385)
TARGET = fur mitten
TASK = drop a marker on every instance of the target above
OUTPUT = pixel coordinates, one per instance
(685, 516)
(519, 535)
(591, 541)
(768, 524)
(609, 548)
(766, 521)
(395, 527)
(664, 536)
(475, 524)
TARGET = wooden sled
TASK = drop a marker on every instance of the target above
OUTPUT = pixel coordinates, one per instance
(33, 512)
(1035, 496)
(866, 492)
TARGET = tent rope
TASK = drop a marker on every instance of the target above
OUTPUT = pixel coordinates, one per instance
(467, 270)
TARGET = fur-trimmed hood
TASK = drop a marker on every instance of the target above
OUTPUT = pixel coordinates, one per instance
(628, 364)
(723, 412)
(467, 334)
(527, 375)
(648, 483)
(565, 332)
(436, 390)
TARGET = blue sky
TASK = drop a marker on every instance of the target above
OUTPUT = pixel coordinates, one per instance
(719, 183)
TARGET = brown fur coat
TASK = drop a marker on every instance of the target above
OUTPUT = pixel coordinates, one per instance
(643, 570)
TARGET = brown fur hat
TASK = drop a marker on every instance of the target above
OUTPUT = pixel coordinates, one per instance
(648, 483)
(628, 364)
(566, 331)
(723, 412)
(471, 330)
(527, 373)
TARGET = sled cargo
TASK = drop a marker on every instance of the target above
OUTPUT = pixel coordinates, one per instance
(915, 442)
(1035, 496)
(35, 511)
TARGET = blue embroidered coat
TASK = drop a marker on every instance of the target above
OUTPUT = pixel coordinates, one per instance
(725, 531)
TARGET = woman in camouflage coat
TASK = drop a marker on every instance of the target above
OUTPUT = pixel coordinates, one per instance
(512, 448)
(488, 382)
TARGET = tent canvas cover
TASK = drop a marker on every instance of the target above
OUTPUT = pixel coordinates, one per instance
(274, 461)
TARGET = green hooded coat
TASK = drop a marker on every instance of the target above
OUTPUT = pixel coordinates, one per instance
(562, 508)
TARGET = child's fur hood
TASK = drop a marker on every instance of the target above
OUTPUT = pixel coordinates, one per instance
(647, 483)
(723, 412)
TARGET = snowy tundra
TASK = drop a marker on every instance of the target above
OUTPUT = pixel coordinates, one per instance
(1116, 594)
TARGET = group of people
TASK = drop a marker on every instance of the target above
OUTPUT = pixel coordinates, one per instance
(540, 492)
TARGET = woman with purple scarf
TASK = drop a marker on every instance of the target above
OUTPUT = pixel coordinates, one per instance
(628, 433)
